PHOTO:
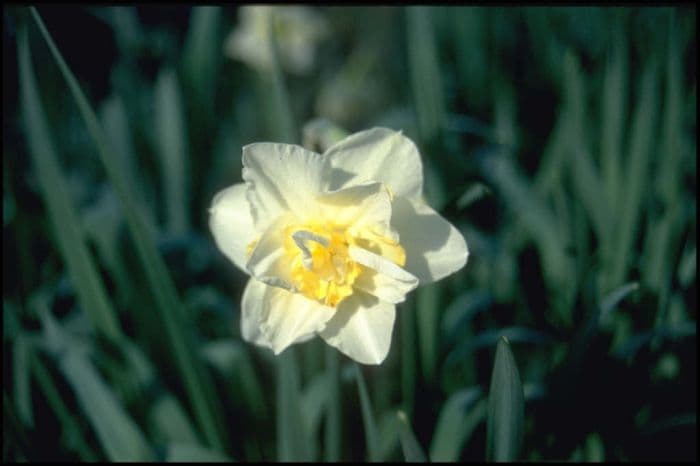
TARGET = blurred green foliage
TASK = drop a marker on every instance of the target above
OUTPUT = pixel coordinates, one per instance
(560, 141)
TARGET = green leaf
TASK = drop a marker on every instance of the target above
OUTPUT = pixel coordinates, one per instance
(459, 416)
(197, 380)
(613, 107)
(118, 434)
(636, 173)
(171, 135)
(314, 401)
(408, 355)
(428, 299)
(333, 426)
(582, 170)
(62, 215)
(188, 453)
(21, 357)
(72, 432)
(412, 451)
(367, 417)
(292, 437)
(424, 68)
(608, 304)
(504, 423)
(170, 421)
(275, 96)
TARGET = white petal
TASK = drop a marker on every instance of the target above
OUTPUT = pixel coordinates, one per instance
(231, 223)
(268, 261)
(276, 318)
(377, 154)
(361, 328)
(359, 206)
(383, 279)
(282, 178)
(434, 248)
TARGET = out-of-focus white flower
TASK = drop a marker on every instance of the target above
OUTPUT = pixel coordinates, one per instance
(332, 242)
(297, 29)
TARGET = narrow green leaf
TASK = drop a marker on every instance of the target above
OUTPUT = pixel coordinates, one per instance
(276, 98)
(118, 434)
(64, 221)
(612, 118)
(21, 357)
(458, 418)
(171, 312)
(188, 453)
(170, 422)
(332, 431)
(201, 54)
(636, 171)
(424, 69)
(409, 358)
(428, 298)
(474, 193)
(292, 437)
(582, 170)
(664, 231)
(412, 451)
(367, 417)
(232, 359)
(72, 432)
(537, 218)
(171, 135)
(608, 304)
(314, 400)
(504, 423)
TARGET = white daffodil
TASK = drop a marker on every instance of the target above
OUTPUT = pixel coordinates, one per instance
(298, 29)
(332, 242)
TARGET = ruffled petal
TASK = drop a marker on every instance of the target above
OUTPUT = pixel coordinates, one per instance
(359, 206)
(381, 277)
(282, 178)
(361, 328)
(231, 223)
(275, 318)
(377, 154)
(434, 248)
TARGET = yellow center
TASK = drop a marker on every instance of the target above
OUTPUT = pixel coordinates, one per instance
(321, 266)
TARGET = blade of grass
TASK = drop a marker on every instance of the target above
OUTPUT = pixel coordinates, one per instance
(187, 453)
(72, 431)
(280, 116)
(201, 54)
(425, 73)
(664, 231)
(116, 431)
(332, 433)
(171, 133)
(412, 451)
(504, 426)
(582, 170)
(62, 216)
(367, 417)
(636, 171)
(428, 298)
(196, 379)
(21, 358)
(292, 438)
(170, 421)
(314, 402)
(408, 355)
(613, 105)
(458, 418)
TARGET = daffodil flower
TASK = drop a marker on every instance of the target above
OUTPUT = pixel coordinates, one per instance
(298, 30)
(332, 241)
